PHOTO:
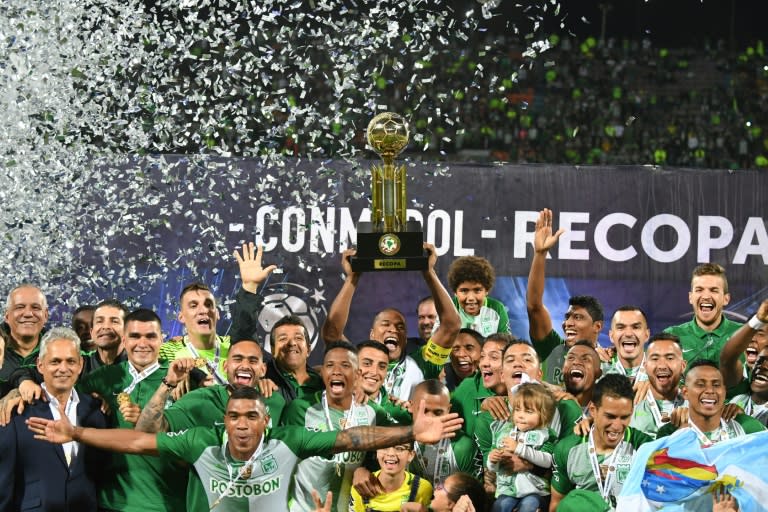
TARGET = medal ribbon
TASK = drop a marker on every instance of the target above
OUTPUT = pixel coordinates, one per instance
(138, 377)
(349, 415)
(244, 469)
(394, 378)
(704, 440)
(213, 367)
(604, 486)
(442, 469)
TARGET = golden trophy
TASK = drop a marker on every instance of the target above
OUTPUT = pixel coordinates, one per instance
(389, 241)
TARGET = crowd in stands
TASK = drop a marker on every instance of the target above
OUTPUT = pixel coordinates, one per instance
(468, 419)
(613, 102)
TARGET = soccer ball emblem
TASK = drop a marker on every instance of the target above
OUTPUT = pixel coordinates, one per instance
(389, 244)
(281, 299)
(388, 134)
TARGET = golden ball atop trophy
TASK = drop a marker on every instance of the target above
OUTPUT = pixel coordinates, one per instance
(388, 134)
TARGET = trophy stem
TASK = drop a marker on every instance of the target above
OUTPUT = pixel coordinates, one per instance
(401, 203)
(390, 197)
(377, 212)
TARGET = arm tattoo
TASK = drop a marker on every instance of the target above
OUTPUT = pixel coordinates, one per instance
(151, 419)
(371, 438)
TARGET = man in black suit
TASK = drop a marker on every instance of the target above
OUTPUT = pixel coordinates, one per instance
(38, 476)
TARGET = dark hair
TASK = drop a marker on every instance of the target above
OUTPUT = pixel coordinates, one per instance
(711, 269)
(516, 341)
(664, 336)
(112, 303)
(701, 362)
(428, 298)
(629, 307)
(194, 287)
(501, 337)
(478, 337)
(465, 484)
(247, 393)
(252, 339)
(591, 304)
(345, 345)
(85, 307)
(614, 385)
(248, 340)
(376, 316)
(583, 343)
(287, 320)
(471, 268)
(430, 387)
(373, 344)
(143, 315)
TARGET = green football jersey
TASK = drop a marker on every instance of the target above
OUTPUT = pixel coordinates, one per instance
(215, 474)
(319, 473)
(205, 407)
(136, 483)
(572, 466)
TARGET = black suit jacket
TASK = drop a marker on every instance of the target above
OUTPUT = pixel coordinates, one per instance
(34, 474)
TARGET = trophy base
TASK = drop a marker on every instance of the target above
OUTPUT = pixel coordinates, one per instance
(398, 250)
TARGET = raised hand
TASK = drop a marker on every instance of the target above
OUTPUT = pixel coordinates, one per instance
(30, 391)
(497, 407)
(130, 412)
(346, 265)
(366, 483)
(431, 429)
(179, 369)
(762, 312)
(464, 505)
(59, 431)
(431, 256)
(319, 507)
(251, 271)
(543, 239)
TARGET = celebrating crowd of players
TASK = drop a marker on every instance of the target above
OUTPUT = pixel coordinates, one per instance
(465, 417)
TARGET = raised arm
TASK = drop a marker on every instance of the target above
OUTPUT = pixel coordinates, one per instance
(120, 440)
(248, 303)
(428, 430)
(730, 356)
(152, 419)
(338, 315)
(450, 323)
(539, 318)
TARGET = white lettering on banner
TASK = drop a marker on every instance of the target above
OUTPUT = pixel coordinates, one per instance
(322, 230)
(523, 237)
(755, 228)
(458, 228)
(294, 230)
(262, 214)
(347, 229)
(564, 249)
(706, 242)
(601, 237)
(683, 238)
(444, 244)
(331, 228)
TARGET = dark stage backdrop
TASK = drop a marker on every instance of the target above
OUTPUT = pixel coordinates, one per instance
(633, 236)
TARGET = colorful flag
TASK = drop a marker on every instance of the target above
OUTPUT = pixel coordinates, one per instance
(676, 474)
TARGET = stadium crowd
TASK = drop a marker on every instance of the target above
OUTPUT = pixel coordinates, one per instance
(461, 417)
(617, 102)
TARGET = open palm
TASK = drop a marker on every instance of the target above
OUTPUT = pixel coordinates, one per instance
(252, 272)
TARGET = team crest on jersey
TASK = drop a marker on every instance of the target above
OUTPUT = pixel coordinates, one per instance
(268, 464)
